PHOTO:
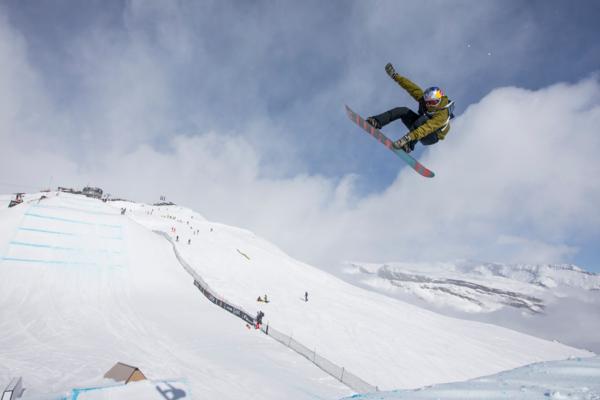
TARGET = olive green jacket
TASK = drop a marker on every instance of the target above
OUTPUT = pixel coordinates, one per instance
(439, 118)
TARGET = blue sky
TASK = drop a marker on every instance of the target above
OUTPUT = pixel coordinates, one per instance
(102, 86)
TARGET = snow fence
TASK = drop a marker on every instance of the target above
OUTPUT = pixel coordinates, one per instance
(339, 373)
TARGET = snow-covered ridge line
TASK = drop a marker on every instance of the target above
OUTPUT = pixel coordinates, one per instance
(507, 297)
(340, 373)
(538, 299)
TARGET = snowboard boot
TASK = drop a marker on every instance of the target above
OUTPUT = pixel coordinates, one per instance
(407, 148)
(373, 122)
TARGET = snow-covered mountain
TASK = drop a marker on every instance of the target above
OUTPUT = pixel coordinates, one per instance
(83, 286)
(543, 300)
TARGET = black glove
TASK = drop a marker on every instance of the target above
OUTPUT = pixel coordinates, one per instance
(389, 69)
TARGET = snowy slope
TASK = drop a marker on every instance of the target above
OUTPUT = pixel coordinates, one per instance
(386, 342)
(542, 300)
(574, 379)
(82, 287)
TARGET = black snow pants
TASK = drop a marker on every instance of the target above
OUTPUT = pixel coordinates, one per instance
(411, 120)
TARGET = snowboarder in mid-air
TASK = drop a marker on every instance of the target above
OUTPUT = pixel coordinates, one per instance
(429, 125)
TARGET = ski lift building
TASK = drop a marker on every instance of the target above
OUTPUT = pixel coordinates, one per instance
(93, 192)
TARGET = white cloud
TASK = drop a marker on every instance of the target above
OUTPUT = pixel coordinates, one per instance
(518, 164)
(534, 251)
(515, 174)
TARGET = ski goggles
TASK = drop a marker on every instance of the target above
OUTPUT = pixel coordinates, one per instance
(433, 102)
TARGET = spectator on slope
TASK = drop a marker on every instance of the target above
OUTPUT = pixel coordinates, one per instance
(259, 317)
(306, 297)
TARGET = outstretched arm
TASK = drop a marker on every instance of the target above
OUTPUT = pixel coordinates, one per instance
(412, 88)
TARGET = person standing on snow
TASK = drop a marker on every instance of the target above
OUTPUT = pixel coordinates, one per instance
(259, 317)
(429, 125)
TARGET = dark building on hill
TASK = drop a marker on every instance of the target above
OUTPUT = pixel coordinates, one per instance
(68, 190)
(93, 192)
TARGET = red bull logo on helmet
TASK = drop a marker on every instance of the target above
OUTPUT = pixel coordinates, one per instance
(433, 96)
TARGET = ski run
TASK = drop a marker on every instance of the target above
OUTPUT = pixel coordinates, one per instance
(85, 284)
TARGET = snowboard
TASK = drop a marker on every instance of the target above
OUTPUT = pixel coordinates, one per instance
(377, 134)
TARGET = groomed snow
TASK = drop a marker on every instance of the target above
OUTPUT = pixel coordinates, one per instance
(82, 287)
(388, 343)
(575, 379)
